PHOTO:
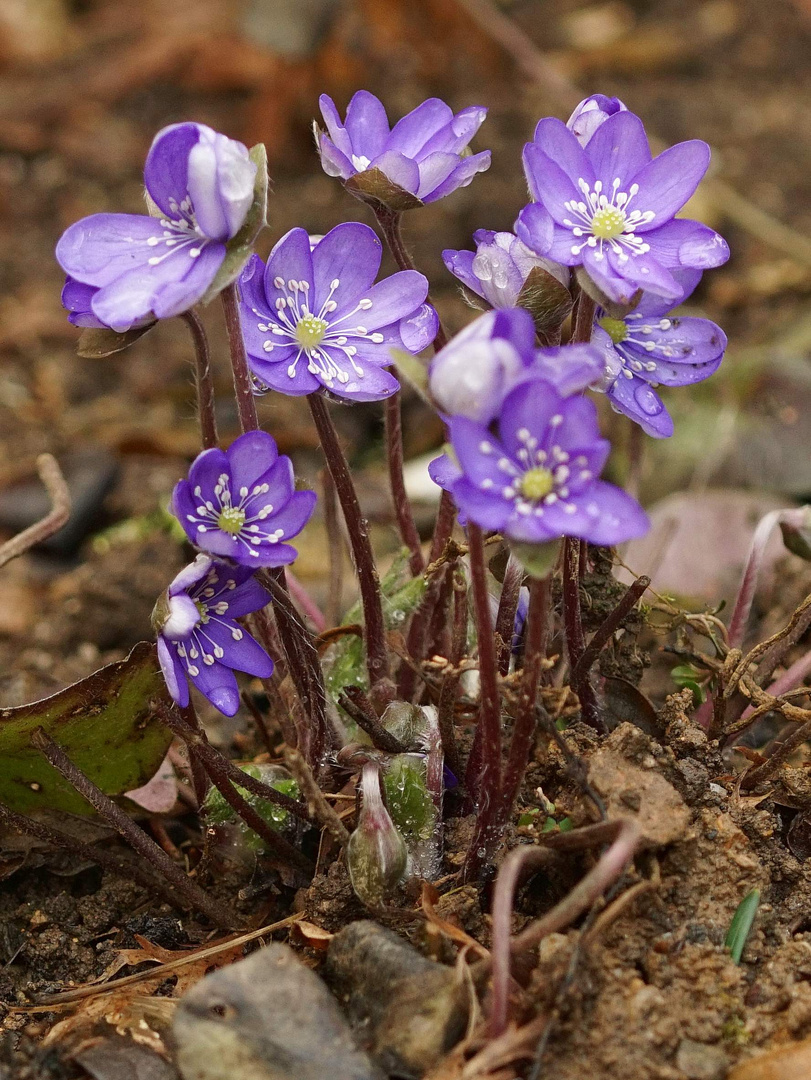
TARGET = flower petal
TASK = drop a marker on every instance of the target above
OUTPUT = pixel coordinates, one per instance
(248, 597)
(98, 249)
(333, 162)
(277, 376)
(166, 168)
(394, 298)
(292, 517)
(460, 264)
(410, 134)
(176, 296)
(246, 654)
(249, 457)
(217, 683)
(337, 132)
(349, 254)
(478, 452)
(667, 182)
(367, 125)
(549, 184)
(646, 272)
(290, 260)
(488, 510)
(173, 673)
(619, 148)
(401, 170)
(461, 176)
(455, 136)
(686, 352)
(418, 329)
(434, 169)
(553, 140)
(614, 516)
(641, 403)
(375, 384)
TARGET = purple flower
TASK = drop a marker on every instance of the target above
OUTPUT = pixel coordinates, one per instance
(591, 113)
(316, 318)
(648, 348)
(499, 268)
(241, 504)
(537, 479)
(610, 208)
(417, 161)
(198, 637)
(475, 371)
(200, 186)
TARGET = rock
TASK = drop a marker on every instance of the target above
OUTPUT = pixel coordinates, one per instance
(266, 1018)
(407, 1010)
(642, 793)
(791, 1062)
(698, 1061)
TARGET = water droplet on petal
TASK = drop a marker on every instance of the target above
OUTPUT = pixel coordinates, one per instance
(648, 401)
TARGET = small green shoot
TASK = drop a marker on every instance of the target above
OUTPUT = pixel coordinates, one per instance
(741, 924)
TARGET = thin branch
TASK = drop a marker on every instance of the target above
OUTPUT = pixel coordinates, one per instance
(51, 476)
(320, 809)
(354, 702)
(608, 627)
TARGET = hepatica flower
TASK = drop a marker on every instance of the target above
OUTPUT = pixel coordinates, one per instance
(419, 160)
(651, 347)
(139, 267)
(241, 504)
(609, 207)
(499, 267)
(199, 638)
(536, 478)
(315, 318)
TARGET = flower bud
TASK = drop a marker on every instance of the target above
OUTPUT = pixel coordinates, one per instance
(472, 374)
(376, 854)
(591, 113)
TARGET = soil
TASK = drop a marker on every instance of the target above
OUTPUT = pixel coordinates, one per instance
(83, 87)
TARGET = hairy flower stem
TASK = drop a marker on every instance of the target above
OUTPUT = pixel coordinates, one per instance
(417, 637)
(135, 836)
(484, 783)
(377, 659)
(575, 639)
(540, 598)
(203, 380)
(450, 681)
(572, 568)
(389, 221)
(335, 543)
(507, 607)
(303, 663)
(246, 403)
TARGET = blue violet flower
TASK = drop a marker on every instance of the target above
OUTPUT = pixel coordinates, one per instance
(421, 159)
(609, 207)
(315, 318)
(651, 347)
(535, 480)
(241, 504)
(200, 186)
(198, 637)
(499, 267)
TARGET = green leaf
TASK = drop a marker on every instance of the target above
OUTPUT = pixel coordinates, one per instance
(240, 247)
(219, 812)
(96, 343)
(741, 924)
(408, 800)
(106, 724)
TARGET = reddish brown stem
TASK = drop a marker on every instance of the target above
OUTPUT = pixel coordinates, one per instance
(485, 785)
(246, 403)
(377, 659)
(575, 640)
(402, 506)
(51, 476)
(203, 380)
(507, 607)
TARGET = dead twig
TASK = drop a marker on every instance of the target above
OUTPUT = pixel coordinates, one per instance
(51, 476)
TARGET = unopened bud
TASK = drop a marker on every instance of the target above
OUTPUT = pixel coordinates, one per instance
(591, 114)
(376, 854)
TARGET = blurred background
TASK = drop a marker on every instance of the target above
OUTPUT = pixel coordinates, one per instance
(85, 84)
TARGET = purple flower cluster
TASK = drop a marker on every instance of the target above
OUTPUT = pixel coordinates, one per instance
(498, 269)
(125, 270)
(314, 318)
(422, 156)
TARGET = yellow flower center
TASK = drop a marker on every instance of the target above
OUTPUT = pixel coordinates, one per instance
(231, 520)
(310, 331)
(615, 328)
(608, 223)
(536, 483)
